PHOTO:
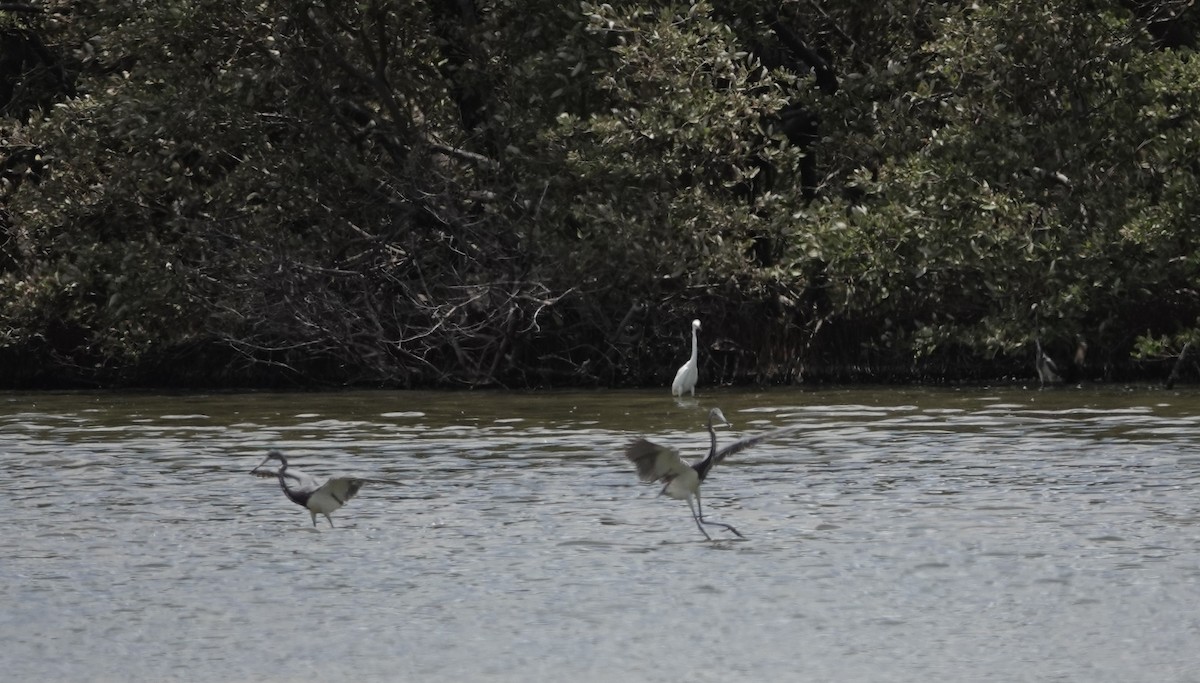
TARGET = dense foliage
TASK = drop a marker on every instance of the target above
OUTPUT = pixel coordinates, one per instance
(417, 193)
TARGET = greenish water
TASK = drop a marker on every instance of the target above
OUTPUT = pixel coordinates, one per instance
(897, 535)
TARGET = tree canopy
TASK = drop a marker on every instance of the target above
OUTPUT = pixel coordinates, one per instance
(491, 192)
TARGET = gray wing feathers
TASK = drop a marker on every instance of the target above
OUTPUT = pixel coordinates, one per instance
(743, 444)
(304, 482)
(654, 462)
(342, 489)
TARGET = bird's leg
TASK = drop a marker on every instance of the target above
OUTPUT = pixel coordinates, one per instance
(330, 519)
(314, 516)
(697, 518)
(699, 512)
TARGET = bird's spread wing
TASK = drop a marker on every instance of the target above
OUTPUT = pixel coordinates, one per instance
(342, 489)
(299, 480)
(365, 480)
(655, 462)
(305, 483)
(747, 442)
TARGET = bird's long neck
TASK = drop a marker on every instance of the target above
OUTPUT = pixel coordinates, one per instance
(706, 464)
(282, 474)
(299, 497)
(694, 348)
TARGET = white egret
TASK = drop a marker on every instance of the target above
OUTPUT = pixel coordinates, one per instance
(681, 480)
(685, 378)
(306, 491)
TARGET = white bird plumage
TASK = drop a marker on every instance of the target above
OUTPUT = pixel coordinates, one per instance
(688, 373)
(308, 492)
(681, 480)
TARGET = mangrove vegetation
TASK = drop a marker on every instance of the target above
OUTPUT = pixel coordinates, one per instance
(534, 193)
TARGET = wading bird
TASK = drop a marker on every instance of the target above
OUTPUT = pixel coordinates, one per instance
(685, 378)
(681, 480)
(1047, 370)
(304, 490)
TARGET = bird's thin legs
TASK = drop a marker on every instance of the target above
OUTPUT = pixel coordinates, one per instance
(698, 520)
(699, 513)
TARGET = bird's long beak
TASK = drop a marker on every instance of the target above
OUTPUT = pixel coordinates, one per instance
(258, 471)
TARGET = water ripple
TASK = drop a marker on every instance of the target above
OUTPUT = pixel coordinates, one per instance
(901, 535)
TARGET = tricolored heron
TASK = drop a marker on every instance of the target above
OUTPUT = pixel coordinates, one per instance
(681, 480)
(688, 373)
(308, 492)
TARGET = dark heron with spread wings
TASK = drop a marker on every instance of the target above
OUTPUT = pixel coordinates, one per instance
(308, 492)
(681, 480)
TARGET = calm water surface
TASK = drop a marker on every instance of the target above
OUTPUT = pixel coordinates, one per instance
(898, 535)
